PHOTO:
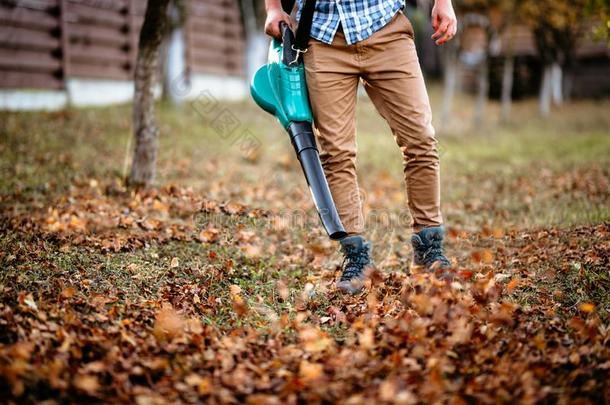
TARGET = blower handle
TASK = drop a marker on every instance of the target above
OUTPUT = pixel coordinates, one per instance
(289, 55)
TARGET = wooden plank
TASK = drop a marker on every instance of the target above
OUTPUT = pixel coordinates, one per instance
(31, 80)
(215, 54)
(188, 40)
(100, 51)
(114, 58)
(209, 26)
(85, 14)
(213, 42)
(96, 60)
(88, 34)
(139, 7)
(117, 6)
(231, 5)
(134, 34)
(44, 5)
(209, 60)
(23, 38)
(26, 18)
(99, 72)
(65, 38)
(214, 11)
(589, 49)
(221, 70)
(218, 35)
(29, 60)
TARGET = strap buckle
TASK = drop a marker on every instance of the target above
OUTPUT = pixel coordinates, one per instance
(299, 52)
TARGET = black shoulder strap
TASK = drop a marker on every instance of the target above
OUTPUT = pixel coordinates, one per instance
(304, 28)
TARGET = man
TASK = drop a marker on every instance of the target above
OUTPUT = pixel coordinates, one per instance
(372, 41)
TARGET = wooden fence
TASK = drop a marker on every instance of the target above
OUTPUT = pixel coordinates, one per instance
(214, 37)
(45, 42)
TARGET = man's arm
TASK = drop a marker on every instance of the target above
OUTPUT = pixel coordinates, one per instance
(275, 15)
(443, 21)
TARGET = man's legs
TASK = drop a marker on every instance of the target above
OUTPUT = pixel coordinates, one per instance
(332, 81)
(394, 82)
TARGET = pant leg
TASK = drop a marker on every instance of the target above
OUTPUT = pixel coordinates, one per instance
(394, 81)
(332, 82)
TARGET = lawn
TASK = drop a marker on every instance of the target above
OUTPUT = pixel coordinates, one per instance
(218, 284)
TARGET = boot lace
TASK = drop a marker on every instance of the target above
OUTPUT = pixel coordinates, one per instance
(434, 253)
(354, 263)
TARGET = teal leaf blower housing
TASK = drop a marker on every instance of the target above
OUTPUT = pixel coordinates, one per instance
(279, 88)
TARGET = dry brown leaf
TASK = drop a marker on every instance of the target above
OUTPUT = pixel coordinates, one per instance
(310, 372)
(87, 383)
(487, 256)
(68, 292)
(512, 284)
(209, 235)
(282, 289)
(168, 323)
(366, 339)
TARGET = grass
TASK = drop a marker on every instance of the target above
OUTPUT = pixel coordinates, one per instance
(530, 196)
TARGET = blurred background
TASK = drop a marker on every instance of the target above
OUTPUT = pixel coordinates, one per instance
(56, 53)
(520, 104)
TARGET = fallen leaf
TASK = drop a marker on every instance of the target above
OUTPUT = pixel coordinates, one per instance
(512, 284)
(87, 383)
(586, 307)
(209, 235)
(168, 323)
(310, 372)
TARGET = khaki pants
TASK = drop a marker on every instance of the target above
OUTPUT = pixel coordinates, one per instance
(387, 64)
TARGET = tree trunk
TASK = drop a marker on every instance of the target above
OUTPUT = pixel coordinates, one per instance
(483, 89)
(568, 82)
(557, 83)
(506, 36)
(145, 129)
(175, 75)
(176, 85)
(450, 76)
(256, 40)
(507, 86)
(545, 92)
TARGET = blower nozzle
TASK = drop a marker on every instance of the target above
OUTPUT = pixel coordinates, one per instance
(279, 88)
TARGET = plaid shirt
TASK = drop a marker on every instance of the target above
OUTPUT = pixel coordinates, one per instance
(359, 18)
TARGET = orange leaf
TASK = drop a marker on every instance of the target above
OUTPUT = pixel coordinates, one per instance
(209, 235)
(587, 307)
(366, 339)
(239, 305)
(487, 257)
(87, 383)
(68, 292)
(310, 371)
(168, 323)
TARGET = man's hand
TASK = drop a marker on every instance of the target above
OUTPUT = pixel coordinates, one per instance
(272, 23)
(443, 21)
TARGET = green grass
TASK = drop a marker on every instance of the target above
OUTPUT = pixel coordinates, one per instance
(532, 193)
(529, 173)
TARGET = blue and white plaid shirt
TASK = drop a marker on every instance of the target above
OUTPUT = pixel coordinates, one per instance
(359, 18)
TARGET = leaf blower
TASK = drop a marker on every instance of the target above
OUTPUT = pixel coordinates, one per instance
(279, 88)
